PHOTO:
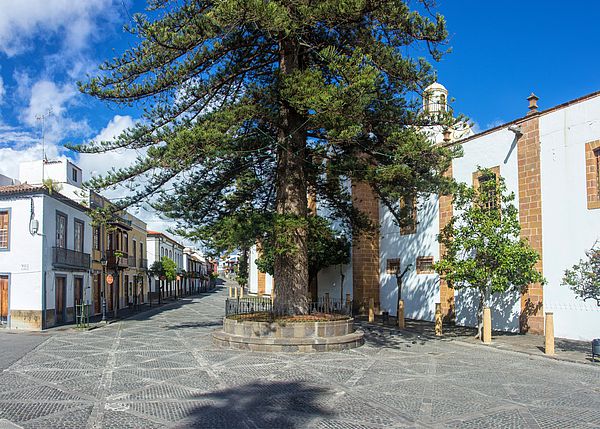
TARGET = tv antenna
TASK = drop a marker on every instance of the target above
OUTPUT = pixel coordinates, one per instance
(42, 117)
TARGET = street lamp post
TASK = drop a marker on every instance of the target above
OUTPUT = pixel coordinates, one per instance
(103, 262)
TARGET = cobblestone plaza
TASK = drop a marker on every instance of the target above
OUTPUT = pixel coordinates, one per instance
(160, 369)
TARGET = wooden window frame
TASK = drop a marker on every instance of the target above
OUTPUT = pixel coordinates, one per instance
(8, 223)
(392, 266)
(592, 174)
(78, 222)
(419, 265)
(477, 175)
(60, 214)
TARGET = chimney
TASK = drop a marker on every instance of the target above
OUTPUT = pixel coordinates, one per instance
(533, 107)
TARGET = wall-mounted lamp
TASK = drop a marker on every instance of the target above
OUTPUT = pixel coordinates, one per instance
(516, 129)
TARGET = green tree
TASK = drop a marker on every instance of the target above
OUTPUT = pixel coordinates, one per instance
(584, 278)
(248, 104)
(326, 247)
(165, 267)
(483, 248)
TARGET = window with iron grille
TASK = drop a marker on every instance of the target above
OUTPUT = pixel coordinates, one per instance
(78, 235)
(393, 266)
(4, 229)
(487, 183)
(425, 265)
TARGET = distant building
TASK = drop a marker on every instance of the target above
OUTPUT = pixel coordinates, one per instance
(160, 245)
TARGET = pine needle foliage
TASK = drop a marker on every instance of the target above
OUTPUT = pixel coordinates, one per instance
(248, 103)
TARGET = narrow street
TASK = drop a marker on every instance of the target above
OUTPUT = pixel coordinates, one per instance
(160, 369)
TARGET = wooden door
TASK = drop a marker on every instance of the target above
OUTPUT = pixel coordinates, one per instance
(78, 290)
(109, 296)
(60, 299)
(96, 293)
(3, 298)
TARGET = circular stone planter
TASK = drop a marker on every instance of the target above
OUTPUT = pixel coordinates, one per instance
(288, 336)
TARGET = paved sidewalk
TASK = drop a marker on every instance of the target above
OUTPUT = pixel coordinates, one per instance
(160, 370)
(534, 345)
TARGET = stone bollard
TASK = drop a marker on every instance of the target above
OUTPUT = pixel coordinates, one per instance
(371, 310)
(438, 320)
(230, 292)
(241, 291)
(235, 292)
(487, 325)
(401, 324)
(549, 333)
(348, 300)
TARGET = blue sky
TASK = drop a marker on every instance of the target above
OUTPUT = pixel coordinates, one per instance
(502, 51)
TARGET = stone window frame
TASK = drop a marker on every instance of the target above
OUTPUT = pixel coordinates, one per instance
(392, 266)
(592, 174)
(428, 262)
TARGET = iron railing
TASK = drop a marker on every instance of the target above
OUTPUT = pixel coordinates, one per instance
(131, 261)
(66, 258)
(249, 305)
(143, 264)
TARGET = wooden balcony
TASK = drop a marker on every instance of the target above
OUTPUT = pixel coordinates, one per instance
(116, 259)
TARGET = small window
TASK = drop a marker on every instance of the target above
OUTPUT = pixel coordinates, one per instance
(487, 184)
(61, 230)
(96, 238)
(4, 229)
(126, 242)
(78, 236)
(393, 266)
(425, 265)
(75, 175)
(408, 214)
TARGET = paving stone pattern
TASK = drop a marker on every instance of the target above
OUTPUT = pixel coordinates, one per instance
(160, 370)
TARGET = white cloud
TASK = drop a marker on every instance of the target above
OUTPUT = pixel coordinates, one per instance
(45, 95)
(10, 158)
(76, 21)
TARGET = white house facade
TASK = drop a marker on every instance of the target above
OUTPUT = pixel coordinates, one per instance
(45, 246)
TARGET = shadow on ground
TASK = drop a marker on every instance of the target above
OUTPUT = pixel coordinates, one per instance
(262, 405)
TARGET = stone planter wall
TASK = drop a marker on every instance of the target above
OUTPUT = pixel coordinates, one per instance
(288, 336)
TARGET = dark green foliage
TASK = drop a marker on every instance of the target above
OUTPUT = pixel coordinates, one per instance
(248, 104)
(483, 245)
(325, 248)
(166, 268)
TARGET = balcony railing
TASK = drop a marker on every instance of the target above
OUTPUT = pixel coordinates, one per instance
(143, 264)
(117, 259)
(66, 258)
(132, 262)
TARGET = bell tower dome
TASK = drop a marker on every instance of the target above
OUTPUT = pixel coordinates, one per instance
(435, 98)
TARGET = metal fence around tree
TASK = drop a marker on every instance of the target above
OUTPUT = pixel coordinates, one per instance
(249, 305)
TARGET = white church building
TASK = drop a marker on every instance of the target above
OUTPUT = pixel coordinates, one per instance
(550, 159)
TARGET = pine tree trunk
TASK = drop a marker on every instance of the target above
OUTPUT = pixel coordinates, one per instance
(291, 266)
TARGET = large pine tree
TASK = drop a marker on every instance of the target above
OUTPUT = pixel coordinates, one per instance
(249, 105)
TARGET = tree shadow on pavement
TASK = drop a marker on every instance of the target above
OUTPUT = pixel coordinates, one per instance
(260, 404)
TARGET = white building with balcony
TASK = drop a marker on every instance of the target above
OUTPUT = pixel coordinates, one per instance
(45, 246)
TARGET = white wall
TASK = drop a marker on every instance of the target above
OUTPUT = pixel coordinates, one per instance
(23, 262)
(568, 227)
(420, 292)
(330, 278)
(490, 150)
(51, 206)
